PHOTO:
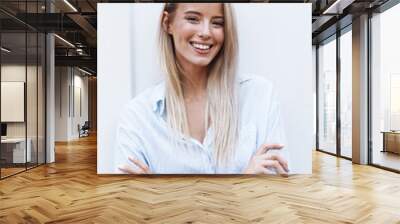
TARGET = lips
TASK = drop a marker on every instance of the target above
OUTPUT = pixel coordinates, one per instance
(201, 48)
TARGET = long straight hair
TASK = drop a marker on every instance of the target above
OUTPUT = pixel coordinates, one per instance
(221, 107)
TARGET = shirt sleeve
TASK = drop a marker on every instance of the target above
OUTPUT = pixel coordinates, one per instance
(273, 131)
(128, 141)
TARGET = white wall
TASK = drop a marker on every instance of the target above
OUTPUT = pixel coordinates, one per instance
(61, 103)
(67, 81)
(282, 52)
(13, 93)
(272, 44)
(33, 126)
(17, 73)
(80, 83)
(114, 69)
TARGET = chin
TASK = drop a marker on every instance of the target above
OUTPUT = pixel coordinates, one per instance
(201, 62)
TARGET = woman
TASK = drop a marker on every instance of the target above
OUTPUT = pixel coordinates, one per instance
(204, 118)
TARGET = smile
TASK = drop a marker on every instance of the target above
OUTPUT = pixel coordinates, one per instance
(202, 48)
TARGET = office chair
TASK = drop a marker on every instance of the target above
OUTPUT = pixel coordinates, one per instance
(84, 130)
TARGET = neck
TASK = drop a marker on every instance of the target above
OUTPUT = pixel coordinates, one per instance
(195, 82)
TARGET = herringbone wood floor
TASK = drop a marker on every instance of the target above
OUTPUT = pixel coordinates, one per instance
(70, 191)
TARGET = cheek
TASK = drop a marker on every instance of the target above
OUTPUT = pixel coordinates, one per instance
(184, 33)
(219, 37)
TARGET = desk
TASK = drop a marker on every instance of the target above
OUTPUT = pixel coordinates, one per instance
(15, 148)
(391, 141)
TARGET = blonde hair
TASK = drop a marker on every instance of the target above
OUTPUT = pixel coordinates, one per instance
(221, 107)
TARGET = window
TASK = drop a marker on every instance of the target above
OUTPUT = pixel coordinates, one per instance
(346, 94)
(327, 96)
(385, 88)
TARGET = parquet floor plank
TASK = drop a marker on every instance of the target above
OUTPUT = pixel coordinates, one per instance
(70, 191)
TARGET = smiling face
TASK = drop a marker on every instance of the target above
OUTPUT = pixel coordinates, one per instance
(197, 31)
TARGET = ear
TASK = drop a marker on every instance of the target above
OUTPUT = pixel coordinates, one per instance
(166, 22)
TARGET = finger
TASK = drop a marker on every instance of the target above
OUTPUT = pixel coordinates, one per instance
(274, 164)
(265, 170)
(278, 158)
(126, 169)
(265, 147)
(139, 164)
(268, 171)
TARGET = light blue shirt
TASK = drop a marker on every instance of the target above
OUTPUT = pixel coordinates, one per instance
(143, 132)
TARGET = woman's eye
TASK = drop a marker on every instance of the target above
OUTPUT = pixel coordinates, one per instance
(192, 19)
(218, 24)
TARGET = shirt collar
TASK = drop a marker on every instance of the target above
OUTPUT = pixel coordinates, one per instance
(158, 102)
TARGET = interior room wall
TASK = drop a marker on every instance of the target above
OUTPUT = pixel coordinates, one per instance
(32, 127)
(70, 83)
(16, 72)
(62, 80)
(122, 68)
(92, 99)
(41, 115)
(79, 116)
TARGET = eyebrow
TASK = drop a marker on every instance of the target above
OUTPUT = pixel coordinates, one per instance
(197, 13)
(192, 12)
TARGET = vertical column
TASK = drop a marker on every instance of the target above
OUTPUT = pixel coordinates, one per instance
(50, 92)
(360, 90)
(338, 97)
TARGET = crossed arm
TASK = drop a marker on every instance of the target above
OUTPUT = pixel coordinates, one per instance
(260, 163)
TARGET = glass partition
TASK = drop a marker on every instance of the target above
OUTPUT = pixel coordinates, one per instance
(32, 95)
(41, 91)
(14, 155)
(22, 77)
(32, 73)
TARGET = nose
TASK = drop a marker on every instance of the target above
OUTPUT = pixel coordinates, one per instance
(205, 30)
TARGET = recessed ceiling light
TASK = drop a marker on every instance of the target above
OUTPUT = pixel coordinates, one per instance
(5, 50)
(70, 5)
(84, 71)
(337, 7)
(64, 40)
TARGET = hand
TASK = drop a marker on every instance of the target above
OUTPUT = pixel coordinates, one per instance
(143, 169)
(260, 161)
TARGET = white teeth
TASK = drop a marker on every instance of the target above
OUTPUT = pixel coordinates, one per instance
(201, 46)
